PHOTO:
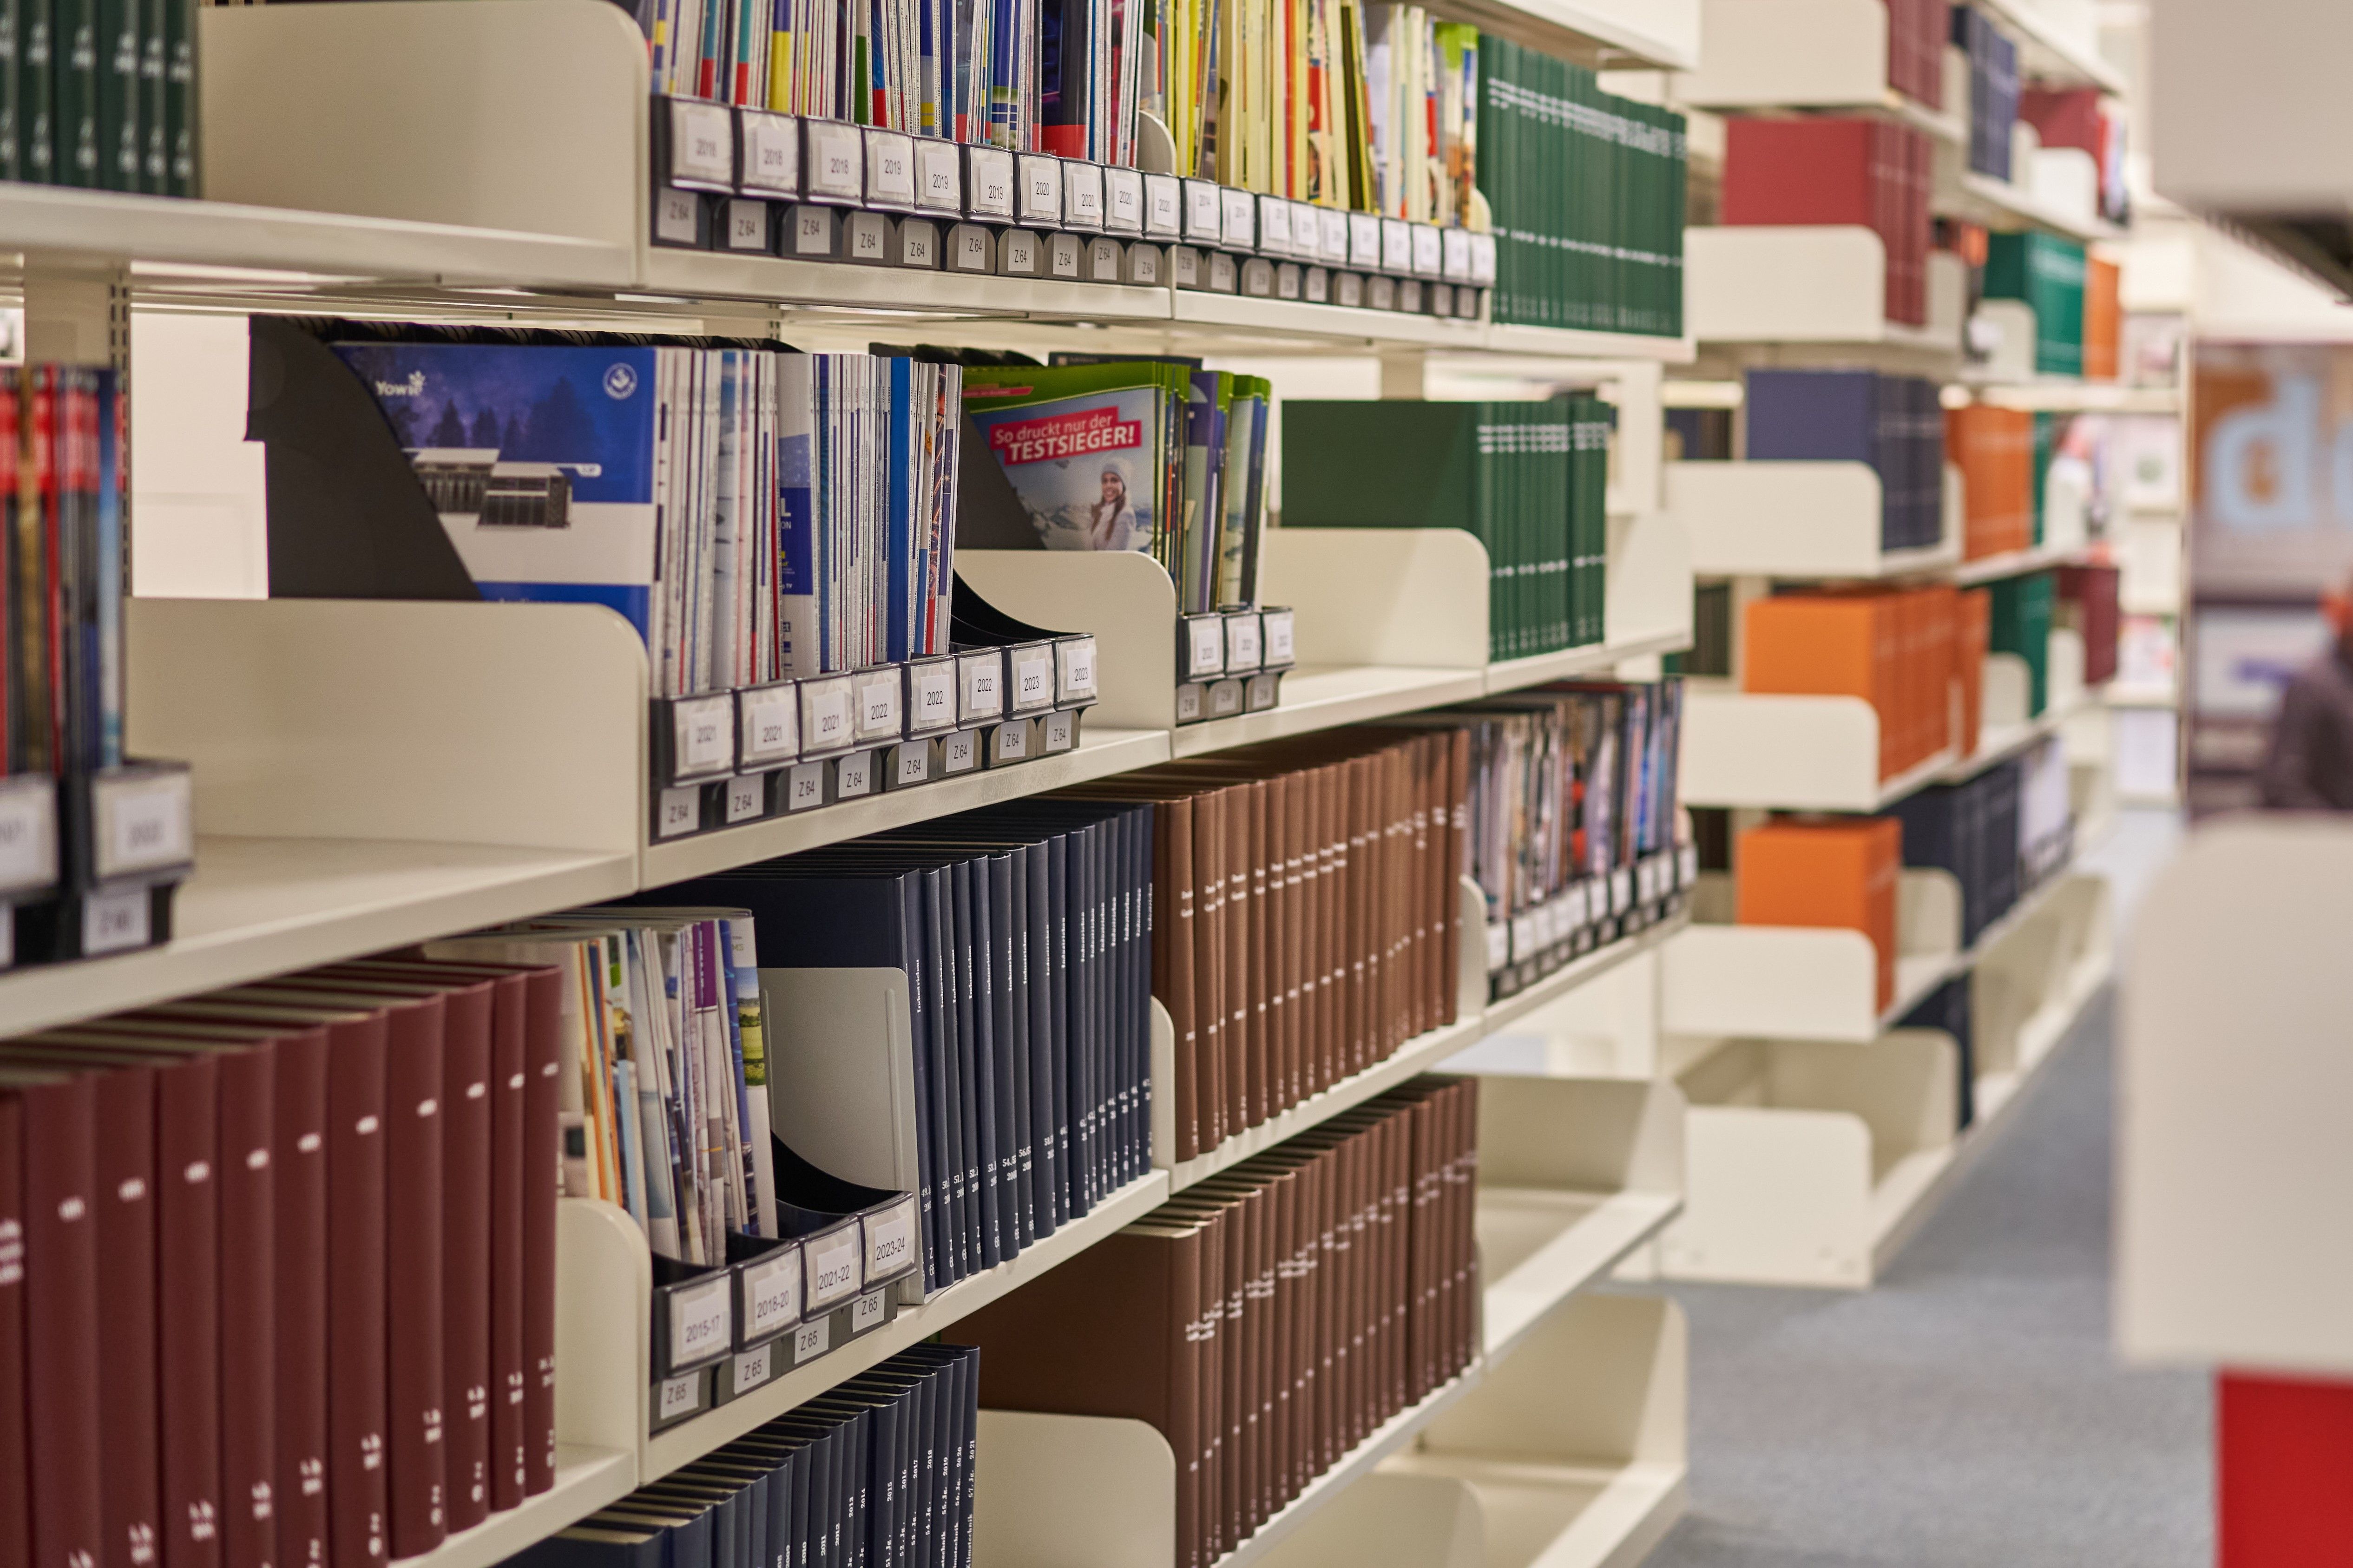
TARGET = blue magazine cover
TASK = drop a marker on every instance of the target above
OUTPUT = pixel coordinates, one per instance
(539, 459)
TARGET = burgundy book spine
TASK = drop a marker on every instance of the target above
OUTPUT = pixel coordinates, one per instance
(543, 1181)
(61, 1333)
(16, 1496)
(465, 1251)
(187, 1334)
(299, 1148)
(412, 1258)
(357, 1498)
(133, 1487)
(510, 1467)
(248, 1307)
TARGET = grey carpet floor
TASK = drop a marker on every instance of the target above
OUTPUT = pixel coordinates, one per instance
(1968, 1412)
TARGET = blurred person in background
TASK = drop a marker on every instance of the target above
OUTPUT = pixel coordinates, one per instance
(2309, 764)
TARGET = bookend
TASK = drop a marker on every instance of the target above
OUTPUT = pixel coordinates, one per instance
(90, 860)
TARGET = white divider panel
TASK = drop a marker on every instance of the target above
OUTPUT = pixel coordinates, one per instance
(1789, 519)
(452, 723)
(527, 115)
(1800, 754)
(1773, 54)
(2232, 1245)
(1409, 596)
(843, 1090)
(1073, 1492)
(1124, 597)
(604, 1293)
(2011, 324)
(2033, 977)
(1396, 1520)
(1578, 1456)
(1804, 1155)
(1574, 1174)
(1646, 591)
(1825, 283)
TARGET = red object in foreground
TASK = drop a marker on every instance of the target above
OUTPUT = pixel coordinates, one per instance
(2283, 1472)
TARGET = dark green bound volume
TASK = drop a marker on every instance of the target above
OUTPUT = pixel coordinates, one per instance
(180, 95)
(74, 65)
(155, 137)
(37, 91)
(11, 165)
(120, 150)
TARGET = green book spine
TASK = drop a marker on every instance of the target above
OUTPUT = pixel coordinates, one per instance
(1564, 480)
(180, 96)
(156, 149)
(74, 63)
(37, 88)
(120, 148)
(11, 36)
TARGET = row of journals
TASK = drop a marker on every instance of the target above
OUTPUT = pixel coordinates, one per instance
(1528, 480)
(102, 98)
(1269, 1318)
(2000, 834)
(812, 165)
(878, 1472)
(1573, 820)
(1894, 424)
(755, 512)
(278, 1268)
(1915, 655)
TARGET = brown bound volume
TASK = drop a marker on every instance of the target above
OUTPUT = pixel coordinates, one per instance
(1209, 965)
(15, 1492)
(58, 1135)
(1248, 858)
(1172, 969)
(541, 1155)
(1114, 1331)
(1458, 866)
(1282, 1241)
(1282, 869)
(470, 999)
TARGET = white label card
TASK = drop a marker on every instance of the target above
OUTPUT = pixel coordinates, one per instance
(1457, 254)
(939, 182)
(1242, 642)
(827, 716)
(1209, 648)
(1687, 859)
(772, 1294)
(968, 247)
(1526, 941)
(1429, 250)
(681, 811)
(772, 153)
(1013, 739)
(1076, 659)
(1364, 240)
(702, 1322)
(1499, 946)
(1306, 231)
(1017, 250)
(1274, 225)
(867, 1312)
(1041, 189)
(833, 1265)
(877, 703)
(1334, 246)
(933, 689)
(1226, 698)
(705, 730)
(1163, 206)
(959, 752)
(988, 181)
(747, 797)
(1397, 244)
(1221, 272)
(836, 165)
(702, 141)
(111, 923)
(143, 823)
(1483, 258)
(752, 1369)
(805, 787)
(1277, 626)
(678, 1396)
(28, 832)
(747, 225)
(983, 693)
(772, 725)
(1621, 891)
(1188, 702)
(855, 776)
(911, 762)
(891, 1242)
(813, 1340)
(1237, 219)
(812, 231)
(675, 213)
(870, 236)
(1033, 679)
(919, 242)
(1204, 212)
(1064, 255)
(890, 167)
(1061, 729)
(1082, 194)
(1123, 201)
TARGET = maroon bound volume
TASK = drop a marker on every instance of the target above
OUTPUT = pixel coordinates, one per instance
(15, 1500)
(187, 1335)
(542, 1177)
(509, 1467)
(132, 1487)
(249, 1306)
(61, 1322)
(300, 1110)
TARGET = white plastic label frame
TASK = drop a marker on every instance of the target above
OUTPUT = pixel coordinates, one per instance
(1333, 237)
(702, 144)
(1429, 250)
(1074, 669)
(980, 684)
(702, 1323)
(703, 737)
(1205, 221)
(1164, 208)
(1274, 226)
(834, 1260)
(939, 182)
(891, 1249)
(931, 696)
(1306, 232)
(1455, 255)
(1237, 219)
(1040, 189)
(28, 833)
(769, 154)
(1242, 642)
(1033, 679)
(111, 922)
(1205, 638)
(143, 823)
(988, 191)
(833, 162)
(1123, 201)
(877, 713)
(771, 1295)
(1276, 639)
(1396, 246)
(826, 721)
(1482, 259)
(1364, 240)
(889, 169)
(1083, 194)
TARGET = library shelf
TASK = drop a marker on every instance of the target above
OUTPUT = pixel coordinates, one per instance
(1099, 754)
(1576, 342)
(2047, 54)
(1812, 1162)
(1504, 1011)
(585, 1480)
(2003, 205)
(1326, 697)
(1578, 1461)
(257, 907)
(1822, 56)
(2143, 694)
(1663, 34)
(1799, 521)
(1791, 753)
(667, 1450)
(2058, 395)
(1597, 659)
(1573, 1174)
(1813, 284)
(1101, 1491)
(2017, 562)
(1418, 1055)
(1796, 982)
(1998, 742)
(836, 287)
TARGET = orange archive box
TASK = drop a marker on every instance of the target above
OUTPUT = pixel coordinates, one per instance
(1892, 649)
(2104, 318)
(1972, 640)
(1994, 449)
(1838, 873)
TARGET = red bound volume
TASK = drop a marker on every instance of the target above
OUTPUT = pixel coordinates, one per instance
(298, 1110)
(61, 1318)
(542, 1177)
(249, 1306)
(187, 1335)
(15, 1499)
(131, 1489)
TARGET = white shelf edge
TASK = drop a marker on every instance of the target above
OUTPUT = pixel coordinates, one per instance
(1595, 659)
(2119, 695)
(1416, 1056)
(483, 886)
(1387, 1438)
(1508, 1010)
(1583, 1252)
(2017, 562)
(585, 1480)
(2039, 50)
(1099, 755)
(666, 1451)
(1982, 195)
(1325, 697)
(1632, 1508)
(2065, 397)
(1999, 744)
